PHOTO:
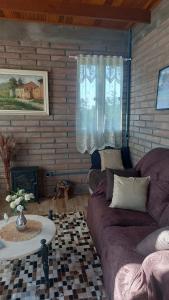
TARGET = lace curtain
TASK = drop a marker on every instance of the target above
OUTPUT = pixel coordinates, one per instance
(99, 102)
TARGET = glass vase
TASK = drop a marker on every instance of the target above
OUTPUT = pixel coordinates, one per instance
(21, 221)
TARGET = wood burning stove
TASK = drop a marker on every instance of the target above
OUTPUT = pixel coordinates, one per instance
(25, 178)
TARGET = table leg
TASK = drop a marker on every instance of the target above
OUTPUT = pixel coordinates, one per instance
(50, 214)
(44, 255)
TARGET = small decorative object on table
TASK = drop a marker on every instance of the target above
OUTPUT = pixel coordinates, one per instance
(18, 202)
(6, 218)
(21, 219)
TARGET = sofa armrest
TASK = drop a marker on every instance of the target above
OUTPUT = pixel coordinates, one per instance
(101, 189)
(95, 177)
(156, 268)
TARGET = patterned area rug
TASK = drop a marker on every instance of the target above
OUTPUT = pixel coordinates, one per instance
(74, 267)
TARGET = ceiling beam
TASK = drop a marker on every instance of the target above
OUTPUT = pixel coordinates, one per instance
(61, 21)
(78, 10)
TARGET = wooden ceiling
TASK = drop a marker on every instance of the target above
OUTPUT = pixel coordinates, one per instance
(113, 14)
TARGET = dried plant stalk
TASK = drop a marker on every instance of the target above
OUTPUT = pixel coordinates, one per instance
(7, 146)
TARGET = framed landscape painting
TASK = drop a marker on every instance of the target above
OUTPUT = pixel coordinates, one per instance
(24, 92)
(163, 89)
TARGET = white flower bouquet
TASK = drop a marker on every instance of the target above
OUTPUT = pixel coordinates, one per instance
(19, 199)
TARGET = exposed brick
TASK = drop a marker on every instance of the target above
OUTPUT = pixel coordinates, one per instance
(64, 46)
(20, 49)
(25, 123)
(21, 62)
(2, 48)
(10, 43)
(41, 151)
(9, 55)
(44, 63)
(50, 51)
(49, 141)
(53, 123)
(35, 56)
(39, 129)
(149, 55)
(4, 123)
(2, 61)
(64, 82)
(13, 129)
(165, 142)
(35, 44)
(53, 134)
(58, 58)
(51, 146)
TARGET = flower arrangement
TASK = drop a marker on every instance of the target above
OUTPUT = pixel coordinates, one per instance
(7, 146)
(19, 200)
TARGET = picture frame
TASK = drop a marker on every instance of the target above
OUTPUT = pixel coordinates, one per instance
(162, 100)
(24, 92)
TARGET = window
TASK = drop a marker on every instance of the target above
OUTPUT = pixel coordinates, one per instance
(99, 102)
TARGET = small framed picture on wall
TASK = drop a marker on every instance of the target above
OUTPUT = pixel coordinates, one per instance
(162, 101)
(23, 92)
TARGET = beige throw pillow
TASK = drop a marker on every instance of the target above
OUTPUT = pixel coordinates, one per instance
(155, 241)
(130, 193)
(111, 158)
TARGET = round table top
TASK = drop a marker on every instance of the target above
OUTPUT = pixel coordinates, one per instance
(14, 250)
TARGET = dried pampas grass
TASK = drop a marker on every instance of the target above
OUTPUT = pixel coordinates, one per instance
(7, 146)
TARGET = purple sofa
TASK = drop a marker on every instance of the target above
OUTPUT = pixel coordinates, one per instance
(116, 232)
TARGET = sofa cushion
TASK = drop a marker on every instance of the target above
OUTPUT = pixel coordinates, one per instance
(110, 179)
(130, 193)
(100, 216)
(96, 160)
(111, 158)
(157, 240)
(155, 164)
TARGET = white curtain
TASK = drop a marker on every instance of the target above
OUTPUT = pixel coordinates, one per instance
(99, 102)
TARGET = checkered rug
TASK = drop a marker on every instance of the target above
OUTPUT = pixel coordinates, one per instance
(74, 267)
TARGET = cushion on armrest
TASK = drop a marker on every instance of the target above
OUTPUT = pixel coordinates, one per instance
(125, 154)
(130, 193)
(110, 179)
(155, 241)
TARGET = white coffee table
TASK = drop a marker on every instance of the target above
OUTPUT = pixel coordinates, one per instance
(15, 250)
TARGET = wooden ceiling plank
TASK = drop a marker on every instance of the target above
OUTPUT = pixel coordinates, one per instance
(108, 2)
(53, 19)
(83, 10)
(147, 4)
(60, 22)
(151, 4)
(117, 2)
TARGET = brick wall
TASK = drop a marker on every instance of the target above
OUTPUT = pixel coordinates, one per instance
(49, 141)
(149, 128)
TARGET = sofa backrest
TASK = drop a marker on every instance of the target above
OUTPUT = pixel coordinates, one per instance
(156, 165)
